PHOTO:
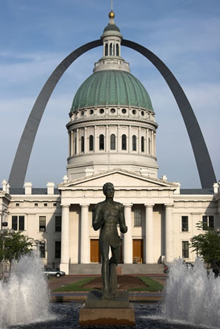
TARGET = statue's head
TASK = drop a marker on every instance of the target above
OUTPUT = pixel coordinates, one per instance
(108, 187)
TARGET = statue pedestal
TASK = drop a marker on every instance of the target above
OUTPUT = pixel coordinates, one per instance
(117, 311)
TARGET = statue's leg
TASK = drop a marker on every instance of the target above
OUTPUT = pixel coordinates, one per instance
(113, 272)
(105, 271)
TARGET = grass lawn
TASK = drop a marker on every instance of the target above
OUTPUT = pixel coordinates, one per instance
(151, 285)
(76, 286)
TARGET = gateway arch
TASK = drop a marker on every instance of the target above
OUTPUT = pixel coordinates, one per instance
(22, 156)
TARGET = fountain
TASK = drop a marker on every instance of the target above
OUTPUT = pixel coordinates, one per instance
(25, 297)
(191, 300)
(191, 295)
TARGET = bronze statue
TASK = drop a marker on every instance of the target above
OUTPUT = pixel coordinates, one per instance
(106, 216)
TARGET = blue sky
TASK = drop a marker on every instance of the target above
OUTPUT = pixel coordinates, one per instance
(37, 35)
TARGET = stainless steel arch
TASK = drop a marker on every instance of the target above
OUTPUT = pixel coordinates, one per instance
(203, 161)
(20, 164)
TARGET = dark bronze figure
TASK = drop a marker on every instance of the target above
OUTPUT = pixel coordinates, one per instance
(106, 216)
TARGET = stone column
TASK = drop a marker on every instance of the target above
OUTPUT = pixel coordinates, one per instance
(107, 139)
(149, 231)
(72, 143)
(64, 266)
(118, 140)
(139, 141)
(85, 141)
(95, 144)
(84, 237)
(169, 232)
(127, 241)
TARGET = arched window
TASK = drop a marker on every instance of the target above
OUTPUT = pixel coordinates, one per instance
(101, 142)
(82, 144)
(112, 142)
(106, 49)
(117, 49)
(142, 144)
(134, 143)
(91, 143)
(124, 142)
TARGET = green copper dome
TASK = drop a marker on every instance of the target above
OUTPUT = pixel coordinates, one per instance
(111, 87)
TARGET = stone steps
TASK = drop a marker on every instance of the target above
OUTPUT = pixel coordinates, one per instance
(126, 269)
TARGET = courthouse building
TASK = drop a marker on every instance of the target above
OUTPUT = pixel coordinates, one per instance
(112, 138)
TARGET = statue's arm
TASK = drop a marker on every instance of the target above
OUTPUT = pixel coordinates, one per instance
(97, 219)
(123, 227)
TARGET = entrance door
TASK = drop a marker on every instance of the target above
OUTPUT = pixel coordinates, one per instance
(137, 251)
(95, 256)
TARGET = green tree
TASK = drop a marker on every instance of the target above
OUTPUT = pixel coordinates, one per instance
(13, 246)
(207, 244)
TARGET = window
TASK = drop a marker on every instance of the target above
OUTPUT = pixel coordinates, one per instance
(142, 144)
(57, 249)
(117, 49)
(184, 223)
(90, 143)
(101, 142)
(42, 249)
(124, 142)
(82, 144)
(207, 222)
(42, 223)
(112, 142)
(137, 217)
(134, 143)
(185, 249)
(58, 224)
(18, 223)
(106, 49)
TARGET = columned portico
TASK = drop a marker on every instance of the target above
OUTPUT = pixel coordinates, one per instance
(127, 242)
(169, 254)
(84, 235)
(149, 230)
(64, 266)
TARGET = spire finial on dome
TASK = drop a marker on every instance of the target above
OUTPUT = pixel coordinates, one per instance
(111, 14)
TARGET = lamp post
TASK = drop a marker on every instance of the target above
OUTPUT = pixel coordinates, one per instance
(37, 244)
(6, 234)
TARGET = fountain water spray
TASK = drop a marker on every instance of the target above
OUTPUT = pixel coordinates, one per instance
(25, 297)
(191, 295)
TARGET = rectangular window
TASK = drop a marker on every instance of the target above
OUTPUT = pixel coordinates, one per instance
(137, 217)
(207, 222)
(18, 223)
(21, 223)
(184, 223)
(42, 223)
(58, 224)
(57, 249)
(185, 249)
(15, 223)
(42, 250)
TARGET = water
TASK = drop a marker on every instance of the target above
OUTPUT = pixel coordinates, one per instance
(191, 295)
(192, 300)
(25, 298)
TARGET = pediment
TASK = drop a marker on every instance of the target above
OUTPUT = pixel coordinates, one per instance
(120, 179)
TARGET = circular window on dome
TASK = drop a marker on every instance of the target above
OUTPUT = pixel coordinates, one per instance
(101, 111)
(91, 111)
(142, 113)
(112, 110)
(134, 112)
(82, 113)
(124, 111)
